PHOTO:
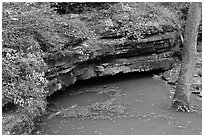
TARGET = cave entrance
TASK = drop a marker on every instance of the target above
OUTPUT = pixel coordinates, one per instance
(93, 90)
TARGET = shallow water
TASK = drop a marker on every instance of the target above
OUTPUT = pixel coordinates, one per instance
(148, 112)
(82, 99)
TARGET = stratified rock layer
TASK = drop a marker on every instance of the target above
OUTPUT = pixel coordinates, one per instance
(109, 57)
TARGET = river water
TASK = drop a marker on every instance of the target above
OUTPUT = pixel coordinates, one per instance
(148, 110)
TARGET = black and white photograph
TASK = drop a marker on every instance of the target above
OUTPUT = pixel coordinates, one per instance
(101, 68)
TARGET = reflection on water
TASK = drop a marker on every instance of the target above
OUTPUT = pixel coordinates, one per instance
(148, 112)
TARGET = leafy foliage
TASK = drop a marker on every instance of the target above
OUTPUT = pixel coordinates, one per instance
(23, 67)
(181, 8)
(131, 20)
(144, 18)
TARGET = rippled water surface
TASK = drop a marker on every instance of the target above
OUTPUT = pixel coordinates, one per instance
(148, 111)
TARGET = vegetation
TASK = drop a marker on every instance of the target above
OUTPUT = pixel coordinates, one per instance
(24, 81)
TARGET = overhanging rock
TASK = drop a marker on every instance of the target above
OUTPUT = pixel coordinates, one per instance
(109, 57)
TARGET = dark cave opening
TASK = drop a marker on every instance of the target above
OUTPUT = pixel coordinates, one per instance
(103, 80)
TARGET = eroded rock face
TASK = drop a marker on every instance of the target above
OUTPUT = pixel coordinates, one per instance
(109, 57)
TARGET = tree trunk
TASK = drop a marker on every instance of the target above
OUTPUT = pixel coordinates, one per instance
(181, 99)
